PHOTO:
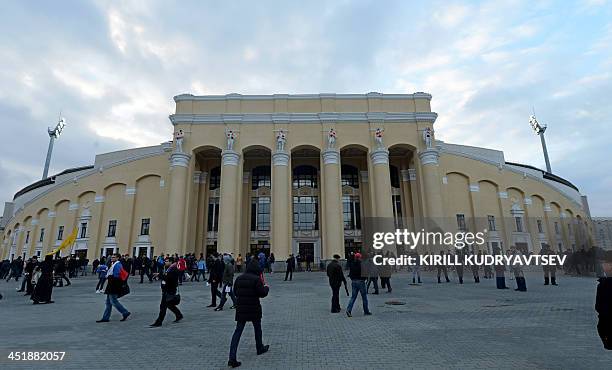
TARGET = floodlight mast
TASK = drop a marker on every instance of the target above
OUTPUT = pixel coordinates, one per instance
(539, 129)
(53, 134)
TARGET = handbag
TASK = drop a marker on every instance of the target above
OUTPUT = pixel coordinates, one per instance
(173, 299)
(124, 290)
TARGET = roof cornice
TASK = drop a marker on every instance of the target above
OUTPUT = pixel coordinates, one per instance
(234, 96)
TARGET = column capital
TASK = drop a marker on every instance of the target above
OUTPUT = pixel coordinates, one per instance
(331, 156)
(379, 156)
(229, 158)
(280, 158)
(429, 156)
(179, 160)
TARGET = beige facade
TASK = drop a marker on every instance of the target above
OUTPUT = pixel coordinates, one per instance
(252, 172)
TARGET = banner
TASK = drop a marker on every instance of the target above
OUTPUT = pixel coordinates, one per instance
(66, 243)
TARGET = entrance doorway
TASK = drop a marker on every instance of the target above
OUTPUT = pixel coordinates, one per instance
(143, 251)
(306, 255)
(261, 245)
(351, 246)
(211, 249)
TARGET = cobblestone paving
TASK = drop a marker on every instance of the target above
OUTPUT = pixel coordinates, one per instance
(440, 326)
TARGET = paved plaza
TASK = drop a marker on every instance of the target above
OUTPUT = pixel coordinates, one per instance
(440, 326)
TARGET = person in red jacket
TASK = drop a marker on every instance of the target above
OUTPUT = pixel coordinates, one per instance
(182, 266)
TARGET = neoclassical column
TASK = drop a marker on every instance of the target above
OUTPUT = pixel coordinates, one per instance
(431, 184)
(382, 182)
(177, 194)
(407, 190)
(228, 223)
(281, 239)
(333, 238)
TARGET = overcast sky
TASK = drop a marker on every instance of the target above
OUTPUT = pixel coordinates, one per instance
(112, 68)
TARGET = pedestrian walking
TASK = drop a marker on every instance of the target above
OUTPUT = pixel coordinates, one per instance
(228, 283)
(101, 271)
(214, 279)
(442, 268)
(336, 279)
(43, 280)
(249, 289)
(170, 298)
(290, 267)
(116, 288)
(357, 286)
(603, 306)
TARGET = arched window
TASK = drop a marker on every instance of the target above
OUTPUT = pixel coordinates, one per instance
(261, 177)
(350, 176)
(304, 176)
(215, 178)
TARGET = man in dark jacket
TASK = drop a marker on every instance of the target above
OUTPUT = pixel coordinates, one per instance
(336, 279)
(215, 277)
(603, 306)
(169, 284)
(290, 267)
(358, 286)
(249, 288)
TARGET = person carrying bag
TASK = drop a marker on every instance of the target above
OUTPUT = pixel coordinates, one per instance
(170, 298)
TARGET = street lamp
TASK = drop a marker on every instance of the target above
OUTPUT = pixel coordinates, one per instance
(539, 129)
(53, 134)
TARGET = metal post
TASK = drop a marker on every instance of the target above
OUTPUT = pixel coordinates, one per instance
(545, 152)
(48, 160)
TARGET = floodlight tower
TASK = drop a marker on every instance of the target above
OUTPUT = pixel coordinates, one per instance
(539, 129)
(54, 133)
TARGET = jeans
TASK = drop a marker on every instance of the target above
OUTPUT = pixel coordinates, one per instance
(358, 287)
(224, 295)
(289, 274)
(112, 300)
(100, 284)
(201, 273)
(238, 333)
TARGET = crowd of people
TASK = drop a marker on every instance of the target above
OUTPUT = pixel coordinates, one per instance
(219, 272)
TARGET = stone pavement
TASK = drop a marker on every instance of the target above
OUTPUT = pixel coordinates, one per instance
(441, 326)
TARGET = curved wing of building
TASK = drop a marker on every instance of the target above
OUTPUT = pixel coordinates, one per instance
(292, 174)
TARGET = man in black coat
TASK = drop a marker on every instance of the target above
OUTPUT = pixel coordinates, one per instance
(603, 306)
(169, 284)
(290, 267)
(215, 277)
(336, 279)
(248, 288)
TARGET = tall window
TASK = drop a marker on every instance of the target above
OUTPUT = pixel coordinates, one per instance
(83, 233)
(461, 222)
(213, 214)
(519, 224)
(394, 175)
(60, 233)
(304, 176)
(540, 227)
(557, 231)
(112, 228)
(27, 237)
(215, 178)
(42, 235)
(144, 226)
(569, 229)
(397, 210)
(492, 225)
(351, 213)
(260, 214)
(305, 210)
(261, 177)
(349, 176)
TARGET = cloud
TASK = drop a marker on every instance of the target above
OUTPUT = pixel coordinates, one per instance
(113, 68)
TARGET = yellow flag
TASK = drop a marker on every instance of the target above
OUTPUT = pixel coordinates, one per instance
(68, 242)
